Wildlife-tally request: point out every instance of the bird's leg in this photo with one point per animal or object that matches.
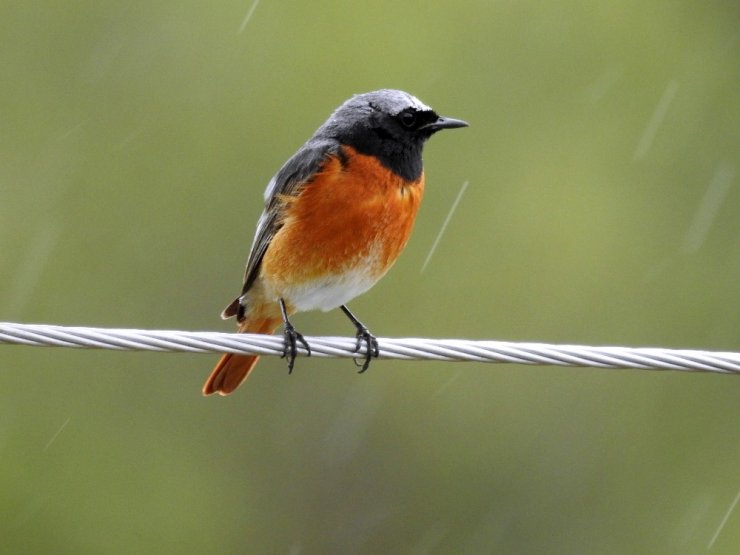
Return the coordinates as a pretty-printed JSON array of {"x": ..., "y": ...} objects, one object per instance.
[
  {"x": 363, "y": 335},
  {"x": 291, "y": 337}
]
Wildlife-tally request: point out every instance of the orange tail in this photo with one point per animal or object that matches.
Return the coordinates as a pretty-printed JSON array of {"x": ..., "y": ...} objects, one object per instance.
[{"x": 233, "y": 369}]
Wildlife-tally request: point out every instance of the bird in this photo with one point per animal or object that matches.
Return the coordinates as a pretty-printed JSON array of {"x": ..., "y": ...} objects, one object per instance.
[{"x": 336, "y": 217}]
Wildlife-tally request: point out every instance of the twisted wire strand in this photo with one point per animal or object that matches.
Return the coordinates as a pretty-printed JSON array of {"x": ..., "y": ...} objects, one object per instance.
[{"x": 390, "y": 348}]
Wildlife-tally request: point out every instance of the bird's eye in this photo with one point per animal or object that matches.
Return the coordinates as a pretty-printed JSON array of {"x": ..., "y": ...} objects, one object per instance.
[{"x": 408, "y": 119}]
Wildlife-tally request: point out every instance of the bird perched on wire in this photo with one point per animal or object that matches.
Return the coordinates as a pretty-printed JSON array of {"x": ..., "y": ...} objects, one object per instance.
[{"x": 336, "y": 217}]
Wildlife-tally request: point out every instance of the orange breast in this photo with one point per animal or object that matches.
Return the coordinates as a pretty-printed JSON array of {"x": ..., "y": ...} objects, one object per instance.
[{"x": 354, "y": 218}]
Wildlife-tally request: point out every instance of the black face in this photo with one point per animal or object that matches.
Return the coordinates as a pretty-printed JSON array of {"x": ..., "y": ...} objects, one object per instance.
[
  {"x": 396, "y": 140},
  {"x": 417, "y": 122}
]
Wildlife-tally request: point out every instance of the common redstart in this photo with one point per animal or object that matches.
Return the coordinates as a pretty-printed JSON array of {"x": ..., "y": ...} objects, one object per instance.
[{"x": 336, "y": 217}]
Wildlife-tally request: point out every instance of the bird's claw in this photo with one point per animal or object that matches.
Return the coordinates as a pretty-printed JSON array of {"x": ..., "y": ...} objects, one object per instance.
[
  {"x": 290, "y": 346},
  {"x": 371, "y": 348}
]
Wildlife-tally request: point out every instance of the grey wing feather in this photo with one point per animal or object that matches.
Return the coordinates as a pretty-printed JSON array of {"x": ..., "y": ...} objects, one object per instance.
[{"x": 296, "y": 173}]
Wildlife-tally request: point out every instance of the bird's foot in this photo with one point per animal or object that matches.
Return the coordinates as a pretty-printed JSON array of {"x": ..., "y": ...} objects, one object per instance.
[
  {"x": 371, "y": 348},
  {"x": 290, "y": 346}
]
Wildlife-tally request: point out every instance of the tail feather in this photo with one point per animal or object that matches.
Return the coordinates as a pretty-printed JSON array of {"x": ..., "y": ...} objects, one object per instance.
[
  {"x": 232, "y": 309},
  {"x": 233, "y": 369}
]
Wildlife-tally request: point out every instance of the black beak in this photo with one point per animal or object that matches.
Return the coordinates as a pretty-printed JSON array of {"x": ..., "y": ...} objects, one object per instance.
[{"x": 444, "y": 123}]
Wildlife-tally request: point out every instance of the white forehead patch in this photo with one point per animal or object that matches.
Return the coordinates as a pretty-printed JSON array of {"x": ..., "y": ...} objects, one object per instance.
[
  {"x": 418, "y": 104},
  {"x": 402, "y": 100},
  {"x": 390, "y": 101}
]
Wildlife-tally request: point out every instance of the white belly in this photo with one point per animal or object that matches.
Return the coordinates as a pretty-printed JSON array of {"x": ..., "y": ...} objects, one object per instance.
[{"x": 329, "y": 292}]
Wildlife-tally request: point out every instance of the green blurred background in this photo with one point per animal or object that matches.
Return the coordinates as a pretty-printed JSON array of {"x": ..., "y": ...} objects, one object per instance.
[{"x": 602, "y": 158}]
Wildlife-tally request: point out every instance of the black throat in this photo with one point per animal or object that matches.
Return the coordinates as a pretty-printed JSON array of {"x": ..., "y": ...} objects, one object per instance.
[{"x": 401, "y": 156}]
